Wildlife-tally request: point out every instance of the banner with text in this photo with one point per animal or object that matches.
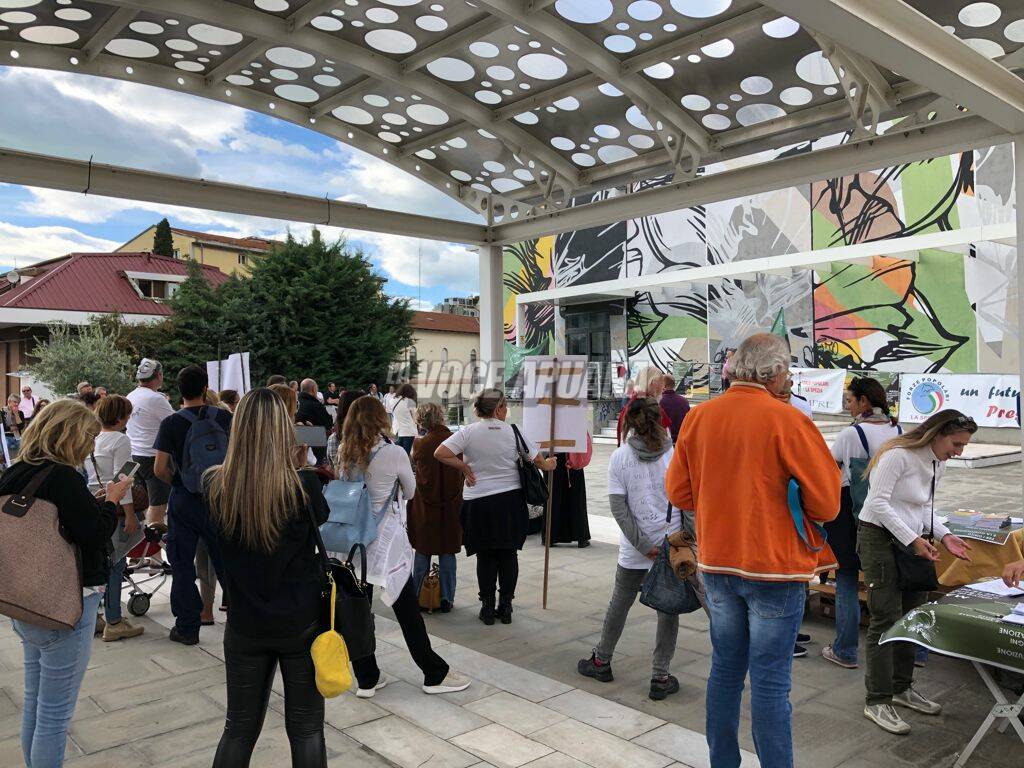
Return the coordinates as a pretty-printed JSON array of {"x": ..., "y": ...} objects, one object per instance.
[
  {"x": 991, "y": 400},
  {"x": 821, "y": 387}
]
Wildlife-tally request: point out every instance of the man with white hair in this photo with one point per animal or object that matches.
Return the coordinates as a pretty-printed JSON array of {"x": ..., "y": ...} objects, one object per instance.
[
  {"x": 733, "y": 464},
  {"x": 312, "y": 411}
]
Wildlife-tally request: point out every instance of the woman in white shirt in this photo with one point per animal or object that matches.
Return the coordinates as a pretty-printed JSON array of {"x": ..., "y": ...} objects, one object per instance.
[
  {"x": 636, "y": 494},
  {"x": 872, "y": 426},
  {"x": 364, "y": 445},
  {"x": 899, "y": 510},
  {"x": 493, "y": 515},
  {"x": 403, "y": 417},
  {"x": 111, "y": 450}
]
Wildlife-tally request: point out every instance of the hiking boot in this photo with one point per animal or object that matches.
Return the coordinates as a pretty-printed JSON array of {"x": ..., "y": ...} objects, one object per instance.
[
  {"x": 829, "y": 654},
  {"x": 504, "y": 611},
  {"x": 663, "y": 686},
  {"x": 599, "y": 670},
  {"x": 887, "y": 718},
  {"x": 911, "y": 699},
  {"x": 121, "y": 631},
  {"x": 487, "y": 614}
]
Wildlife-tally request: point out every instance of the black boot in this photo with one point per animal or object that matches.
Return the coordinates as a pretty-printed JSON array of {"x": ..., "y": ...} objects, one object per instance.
[
  {"x": 505, "y": 609},
  {"x": 487, "y": 613}
]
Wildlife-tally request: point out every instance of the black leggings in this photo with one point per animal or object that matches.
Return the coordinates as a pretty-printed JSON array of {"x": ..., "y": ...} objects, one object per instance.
[
  {"x": 494, "y": 567},
  {"x": 407, "y": 613},
  {"x": 250, "y": 673}
]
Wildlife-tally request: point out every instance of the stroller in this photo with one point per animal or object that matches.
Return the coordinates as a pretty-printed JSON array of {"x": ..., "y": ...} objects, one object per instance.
[{"x": 144, "y": 574}]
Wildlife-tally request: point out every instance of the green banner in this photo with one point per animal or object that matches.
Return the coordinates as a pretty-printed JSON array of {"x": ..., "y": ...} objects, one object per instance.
[
  {"x": 966, "y": 624},
  {"x": 991, "y": 535}
]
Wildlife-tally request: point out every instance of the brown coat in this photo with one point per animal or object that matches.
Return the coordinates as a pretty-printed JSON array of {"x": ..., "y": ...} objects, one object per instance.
[{"x": 433, "y": 512}]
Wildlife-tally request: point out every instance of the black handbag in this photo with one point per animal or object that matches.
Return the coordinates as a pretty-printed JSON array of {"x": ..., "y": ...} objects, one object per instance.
[
  {"x": 531, "y": 479},
  {"x": 913, "y": 572},
  {"x": 663, "y": 590},
  {"x": 353, "y": 617}
]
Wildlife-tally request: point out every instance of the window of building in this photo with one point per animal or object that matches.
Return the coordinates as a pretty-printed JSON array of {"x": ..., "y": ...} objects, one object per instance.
[
  {"x": 444, "y": 355},
  {"x": 177, "y": 253},
  {"x": 155, "y": 286},
  {"x": 412, "y": 363},
  {"x": 243, "y": 258}
]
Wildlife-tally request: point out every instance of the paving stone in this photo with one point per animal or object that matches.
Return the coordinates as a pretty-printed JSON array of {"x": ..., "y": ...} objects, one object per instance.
[
  {"x": 198, "y": 739},
  {"x": 501, "y": 747},
  {"x": 108, "y": 758},
  {"x": 432, "y": 714},
  {"x": 685, "y": 746},
  {"x": 346, "y": 710},
  {"x": 145, "y": 691},
  {"x": 516, "y": 713},
  {"x": 407, "y": 746},
  {"x": 138, "y": 723},
  {"x": 10, "y": 751},
  {"x": 601, "y": 713},
  {"x": 557, "y": 760},
  {"x": 503, "y": 675},
  {"x": 597, "y": 748}
]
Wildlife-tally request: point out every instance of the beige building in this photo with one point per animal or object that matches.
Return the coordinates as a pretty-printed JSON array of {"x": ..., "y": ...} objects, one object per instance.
[
  {"x": 228, "y": 254},
  {"x": 445, "y": 354}
]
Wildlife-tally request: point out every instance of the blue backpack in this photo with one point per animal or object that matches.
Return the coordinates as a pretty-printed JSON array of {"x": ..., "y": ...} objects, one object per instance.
[
  {"x": 351, "y": 521},
  {"x": 206, "y": 445}
]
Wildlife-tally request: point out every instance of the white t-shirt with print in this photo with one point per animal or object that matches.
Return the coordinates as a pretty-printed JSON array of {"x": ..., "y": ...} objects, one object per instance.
[
  {"x": 489, "y": 447},
  {"x": 643, "y": 485},
  {"x": 149, "y": 408},
  {"x": 848, "y": 446}
]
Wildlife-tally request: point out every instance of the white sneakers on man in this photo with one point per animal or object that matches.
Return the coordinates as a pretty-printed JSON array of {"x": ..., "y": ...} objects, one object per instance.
[
  {"x": 886, "y": 718},
  {"x": 911, "y": 699},
  {"x": 367, "y": 693},
  {"x": 452, "y": 683}
]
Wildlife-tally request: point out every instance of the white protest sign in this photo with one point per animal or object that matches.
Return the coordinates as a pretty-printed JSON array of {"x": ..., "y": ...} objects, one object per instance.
[
  {"x": 821, "y": 387},
  {"x": 571, "y": 398},
  {"x": 232, "y": 373},
  {"x": 992, "y": 400}
]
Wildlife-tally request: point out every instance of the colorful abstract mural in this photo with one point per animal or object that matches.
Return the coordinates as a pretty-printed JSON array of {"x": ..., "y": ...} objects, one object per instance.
[{"x": 948, "y": 310}]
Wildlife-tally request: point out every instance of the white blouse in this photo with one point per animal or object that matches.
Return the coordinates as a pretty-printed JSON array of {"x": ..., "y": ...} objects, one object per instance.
[
  {"x": 403, "y": 417},
  {"x": 900, "y": 495}
]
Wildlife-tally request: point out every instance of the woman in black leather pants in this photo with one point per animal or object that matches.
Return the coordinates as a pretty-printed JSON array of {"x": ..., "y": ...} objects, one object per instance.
[{"x": 273, "y": 579}]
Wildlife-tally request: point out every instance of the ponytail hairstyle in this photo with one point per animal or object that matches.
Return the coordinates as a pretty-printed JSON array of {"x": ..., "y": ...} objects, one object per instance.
[
  {"x": 873, "y": 392},
  {"x": 943, "y": 423},
  {"x": 643, "y": 419}
]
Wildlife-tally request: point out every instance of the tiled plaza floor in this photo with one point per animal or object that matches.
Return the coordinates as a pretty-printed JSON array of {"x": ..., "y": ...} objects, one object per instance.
[{"x": 148, "y": 702}]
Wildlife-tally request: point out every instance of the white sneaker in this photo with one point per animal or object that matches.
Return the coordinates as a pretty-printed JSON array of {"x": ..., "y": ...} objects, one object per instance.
[
  {"x": 452, "y": 683},
  {"x": 367, "y": 693},
  {"x": 911, "y": 699},
  {"x": 886, "y": 718}
]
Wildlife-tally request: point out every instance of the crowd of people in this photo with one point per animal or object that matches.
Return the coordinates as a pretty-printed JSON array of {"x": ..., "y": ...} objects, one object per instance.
[{"x": 240, "y": 499}]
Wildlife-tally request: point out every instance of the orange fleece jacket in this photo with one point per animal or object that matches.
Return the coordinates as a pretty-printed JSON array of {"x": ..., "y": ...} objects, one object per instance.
[{"x": 732, "y": 464}]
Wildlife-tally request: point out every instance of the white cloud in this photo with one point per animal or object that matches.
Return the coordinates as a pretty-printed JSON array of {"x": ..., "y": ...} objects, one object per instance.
[
  {"x": 26, "y": 245},
  {"x": 420, "y": 305},
  {"x": 409, "y": 260}
]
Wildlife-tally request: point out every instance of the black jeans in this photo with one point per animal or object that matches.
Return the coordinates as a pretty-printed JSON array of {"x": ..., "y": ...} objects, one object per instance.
[
  {"x": 407, "y": 613},
  {"x": 188, "y": 522},
  {"x": 250, "y": 673},
  {"x": 494, "y": 567}
]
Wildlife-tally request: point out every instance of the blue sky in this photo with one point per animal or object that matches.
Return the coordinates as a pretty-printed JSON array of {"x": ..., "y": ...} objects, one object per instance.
[{"x": 142, "y": 127}]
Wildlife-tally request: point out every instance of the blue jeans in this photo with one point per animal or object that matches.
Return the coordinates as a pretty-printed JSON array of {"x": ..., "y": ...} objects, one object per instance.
[
  {"x": 847, "y": 615},
  {"x": 189, "y": 521},
  {"x": 446, "y": 566},
  {"x": 55, "y": 662},
  {"x": 754, "y": 625}
]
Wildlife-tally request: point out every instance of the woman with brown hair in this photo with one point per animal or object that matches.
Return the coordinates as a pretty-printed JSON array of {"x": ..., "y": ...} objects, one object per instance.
[
  {"x": 385, "y": 466},
  {"x": 900, "y": 511},
  {"x": 403, "y": 416},
  {"x": 434, "y": 527},
  {"x": 264, "y": 510}
]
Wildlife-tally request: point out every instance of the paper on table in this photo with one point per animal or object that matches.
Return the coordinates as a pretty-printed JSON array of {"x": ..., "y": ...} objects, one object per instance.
[{"x": 997, "y": 587}]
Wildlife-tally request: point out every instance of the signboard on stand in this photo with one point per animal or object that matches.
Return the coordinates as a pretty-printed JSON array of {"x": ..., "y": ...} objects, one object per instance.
[{"x": 569, "y": 403}]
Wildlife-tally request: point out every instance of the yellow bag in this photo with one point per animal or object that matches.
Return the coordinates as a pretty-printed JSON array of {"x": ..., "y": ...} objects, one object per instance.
[{"x": 330, "y": 657}]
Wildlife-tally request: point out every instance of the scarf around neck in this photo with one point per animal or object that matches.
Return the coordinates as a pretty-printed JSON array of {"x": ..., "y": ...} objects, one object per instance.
[{"x": 874, "y": 416}]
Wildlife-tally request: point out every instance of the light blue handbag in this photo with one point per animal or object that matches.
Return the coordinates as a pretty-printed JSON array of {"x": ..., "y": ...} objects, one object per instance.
[{"x": 351, "y": 520}]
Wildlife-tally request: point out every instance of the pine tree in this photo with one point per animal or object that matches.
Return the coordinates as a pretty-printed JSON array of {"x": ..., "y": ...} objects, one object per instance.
[{"x": 163, "y": 242}]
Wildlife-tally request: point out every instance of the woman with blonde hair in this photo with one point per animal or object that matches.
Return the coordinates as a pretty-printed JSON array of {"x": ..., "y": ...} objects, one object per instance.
[
  {"x": 264, "y": 511},
  {"x": 900, "y": 511},
  {"x": 493, "y": 514},
  {"x": 54, "y": 445},
  {"x": 385, "y": 466},
  {"x": 434, "y": 527}
]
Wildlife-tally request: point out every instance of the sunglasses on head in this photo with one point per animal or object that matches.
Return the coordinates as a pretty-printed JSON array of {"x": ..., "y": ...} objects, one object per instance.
[{"x": 965, "y": 421}]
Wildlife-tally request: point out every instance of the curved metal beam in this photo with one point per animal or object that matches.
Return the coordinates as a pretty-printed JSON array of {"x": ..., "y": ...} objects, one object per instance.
[
  {"x": 33, "y": 55},
  {"x": 276, "y": 31}
]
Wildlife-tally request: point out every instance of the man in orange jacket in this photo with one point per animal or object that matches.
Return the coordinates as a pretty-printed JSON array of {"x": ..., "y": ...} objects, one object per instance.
[{"x": 732, "y": 465}]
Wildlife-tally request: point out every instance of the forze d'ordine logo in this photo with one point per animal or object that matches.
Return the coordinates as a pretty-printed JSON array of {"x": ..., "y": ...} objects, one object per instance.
[{"x": 928, "y": 396}]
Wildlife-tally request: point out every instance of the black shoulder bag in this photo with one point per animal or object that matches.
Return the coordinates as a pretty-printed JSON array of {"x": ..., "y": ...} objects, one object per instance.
[
  {"x": 531, "y": 479},
  {"x": 913, "y": 572},
  {"x": 353, "y": 617}
]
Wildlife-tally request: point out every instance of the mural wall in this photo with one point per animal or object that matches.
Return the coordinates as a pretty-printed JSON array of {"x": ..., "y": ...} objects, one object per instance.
[{"x": 949, "y": 311}]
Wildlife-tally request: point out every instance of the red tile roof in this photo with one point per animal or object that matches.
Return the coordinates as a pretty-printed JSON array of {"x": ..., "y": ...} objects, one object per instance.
[
  {"x": 243, "y": 243},
  {"x": 95, "y": 282},
  {"x": 442, "y": 321}
]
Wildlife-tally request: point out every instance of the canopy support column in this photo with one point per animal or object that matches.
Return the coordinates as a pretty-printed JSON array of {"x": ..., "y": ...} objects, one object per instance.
[
  {"x": 492, "y": 315},
  {"x": 1018, "y": 185}
]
